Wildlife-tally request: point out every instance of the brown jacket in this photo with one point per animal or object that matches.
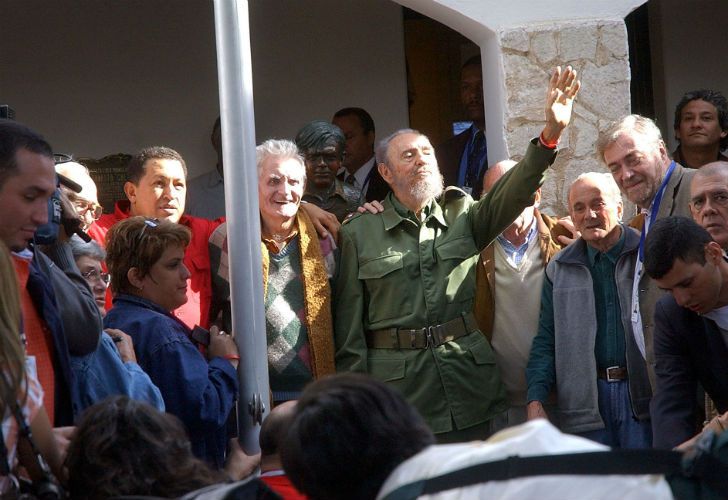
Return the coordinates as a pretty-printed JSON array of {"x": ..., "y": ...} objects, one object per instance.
[{"x": 484, "y": 307}]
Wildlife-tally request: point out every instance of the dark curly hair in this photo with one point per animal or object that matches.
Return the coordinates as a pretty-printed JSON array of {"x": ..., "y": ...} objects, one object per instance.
[
  {"x": 126, "y": 447},
  {"x": 712, "y": 97}
]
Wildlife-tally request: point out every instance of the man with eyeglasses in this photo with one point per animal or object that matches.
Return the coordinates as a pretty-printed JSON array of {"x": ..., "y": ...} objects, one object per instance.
[
  {"x": 709, "y": 200},
  {"x": 86, "y": 201},
  {"x": 322, "y": 145},
  {"x": 634, "y": 152}
]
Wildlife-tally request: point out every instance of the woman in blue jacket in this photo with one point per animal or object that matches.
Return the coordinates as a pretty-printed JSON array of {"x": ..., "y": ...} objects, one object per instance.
[{"x": 149, "y": 280}]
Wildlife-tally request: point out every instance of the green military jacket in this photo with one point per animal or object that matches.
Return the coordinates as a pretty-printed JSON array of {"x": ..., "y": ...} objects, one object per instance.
[{"x": 396, "y": 271}]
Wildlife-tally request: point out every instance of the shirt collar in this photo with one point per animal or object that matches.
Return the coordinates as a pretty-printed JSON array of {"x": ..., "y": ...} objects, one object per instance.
[
  {"x": 529, "y": 237},
  {"x": 612, "y": 254},
  {"x": 396, "y": 213}
]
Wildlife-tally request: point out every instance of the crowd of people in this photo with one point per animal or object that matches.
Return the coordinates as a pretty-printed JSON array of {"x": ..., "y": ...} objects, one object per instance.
[{"x": 468, "y": 309}]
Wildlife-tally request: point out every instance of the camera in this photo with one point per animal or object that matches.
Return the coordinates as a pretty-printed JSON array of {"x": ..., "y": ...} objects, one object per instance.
[{"x": 48, "y": 232}]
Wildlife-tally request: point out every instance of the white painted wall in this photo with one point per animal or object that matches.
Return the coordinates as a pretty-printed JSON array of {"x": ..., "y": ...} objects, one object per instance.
[
  {"x": 312, "y": 58},
  {"x": 104, "y": 76}
]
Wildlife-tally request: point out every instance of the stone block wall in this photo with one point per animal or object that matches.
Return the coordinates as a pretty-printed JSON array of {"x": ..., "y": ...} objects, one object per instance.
[{"x": 598, "y": 51}]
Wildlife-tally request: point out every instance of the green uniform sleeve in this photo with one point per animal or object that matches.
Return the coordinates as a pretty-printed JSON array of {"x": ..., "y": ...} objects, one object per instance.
[
  {"x": 348, "y": 302},
  {"x": 515, "y": 191},
  {"x": 541, "y": 371}
]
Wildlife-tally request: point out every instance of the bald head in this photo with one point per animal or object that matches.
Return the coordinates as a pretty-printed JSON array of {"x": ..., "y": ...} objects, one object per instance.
[
  {"x": 713, "y": 168},
  {"x": 80, "y": 175},
  {"x": 515, "y": 232},
  {"x": 274, "y": 428},
  {"x": 86, "y": 202},
  {"x": 495, "y": 172}
]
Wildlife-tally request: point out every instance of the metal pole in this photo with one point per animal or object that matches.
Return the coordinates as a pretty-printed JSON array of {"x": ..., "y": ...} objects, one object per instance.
[{"x": 235, "y": 76}]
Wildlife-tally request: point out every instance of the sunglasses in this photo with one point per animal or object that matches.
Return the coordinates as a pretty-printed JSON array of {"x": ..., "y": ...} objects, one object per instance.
[{"x": 152, "y": 223}]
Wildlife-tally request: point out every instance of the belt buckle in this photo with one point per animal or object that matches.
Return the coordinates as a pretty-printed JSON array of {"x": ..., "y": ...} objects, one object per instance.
[
  {"x": 434, "y": 335},
  {"x": 609, "y": 374},
  {"x": 429, "y": 339}
]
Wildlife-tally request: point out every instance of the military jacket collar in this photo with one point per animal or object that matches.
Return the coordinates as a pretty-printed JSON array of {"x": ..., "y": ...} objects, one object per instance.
[{"x": 395, "y": 213}]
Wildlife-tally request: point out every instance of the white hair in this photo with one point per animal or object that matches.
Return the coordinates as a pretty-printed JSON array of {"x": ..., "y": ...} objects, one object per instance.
[
  {"x": 604, "y": 181},
  {"x": 80, "y": 248},
  {"x": 278, "y": 148},
  {"x": 630, "y": 124},
  {"x": 382, "y": 149}
]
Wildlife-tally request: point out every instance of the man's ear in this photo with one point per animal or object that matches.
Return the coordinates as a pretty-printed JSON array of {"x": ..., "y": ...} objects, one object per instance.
[
  {"x": 537, "y": 198},
  {"x": 713, "y": 253},
  {"x": 663, "y": 151},
  {"x": 385, "y": 173},
  {"x": 130, "y": 191},
  {"x": 135, "y": 278}
]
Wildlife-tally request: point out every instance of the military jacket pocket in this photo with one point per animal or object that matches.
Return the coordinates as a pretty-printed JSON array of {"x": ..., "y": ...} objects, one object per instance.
[
  {"x": 482, "y": 353},
  {"x": 380, "y": 267},
  {"x": 458, "y": 256},
  {"x": 387, "y": 370},
  {"x": 384, "y": 278}
]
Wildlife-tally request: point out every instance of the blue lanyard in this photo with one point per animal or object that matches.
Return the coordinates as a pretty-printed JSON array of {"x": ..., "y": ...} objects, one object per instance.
[{"x": 655, "y": 208}]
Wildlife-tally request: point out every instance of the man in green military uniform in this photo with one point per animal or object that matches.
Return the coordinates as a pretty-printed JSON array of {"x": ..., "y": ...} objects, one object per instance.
[{"x": 405, "y": 285}]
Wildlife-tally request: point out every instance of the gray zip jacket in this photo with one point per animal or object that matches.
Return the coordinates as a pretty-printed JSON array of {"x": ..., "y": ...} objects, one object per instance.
[{"x": 575, "y": 332}]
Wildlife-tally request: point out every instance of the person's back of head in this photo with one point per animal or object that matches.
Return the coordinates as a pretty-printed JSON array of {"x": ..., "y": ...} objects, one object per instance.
[
  {"x": 348, "y": 433},
  {"x": 674, "y": 238},
  {"x": 272, "y": 433},
  {"x": 126, "y": 447}
]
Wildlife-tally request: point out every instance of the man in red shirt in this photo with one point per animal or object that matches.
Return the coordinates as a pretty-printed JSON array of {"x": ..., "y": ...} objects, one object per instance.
[{"x": 156, "y": 187}]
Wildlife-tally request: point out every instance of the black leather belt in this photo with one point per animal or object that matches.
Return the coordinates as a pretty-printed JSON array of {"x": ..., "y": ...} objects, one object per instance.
[
  {"x": 613, "y": 373},
  {"x": 421, "y": 338}
]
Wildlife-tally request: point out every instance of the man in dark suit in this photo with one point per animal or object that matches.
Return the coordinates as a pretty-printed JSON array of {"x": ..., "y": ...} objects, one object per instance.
[
  {"x": 463, "y": 159},
  {"x": 691, "y": 326},
  {"x": 360, "y": 168}
]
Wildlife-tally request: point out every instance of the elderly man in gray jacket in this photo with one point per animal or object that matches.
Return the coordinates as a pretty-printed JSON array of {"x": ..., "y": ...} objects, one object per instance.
[{"x": 585, "y": 347}]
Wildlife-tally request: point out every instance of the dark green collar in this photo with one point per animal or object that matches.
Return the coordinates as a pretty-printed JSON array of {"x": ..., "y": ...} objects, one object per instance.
[{"x": 612, "y": 254}]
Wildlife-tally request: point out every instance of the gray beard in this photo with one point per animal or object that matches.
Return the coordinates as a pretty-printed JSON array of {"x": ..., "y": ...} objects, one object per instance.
[{"x": 427, "y": 189}]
